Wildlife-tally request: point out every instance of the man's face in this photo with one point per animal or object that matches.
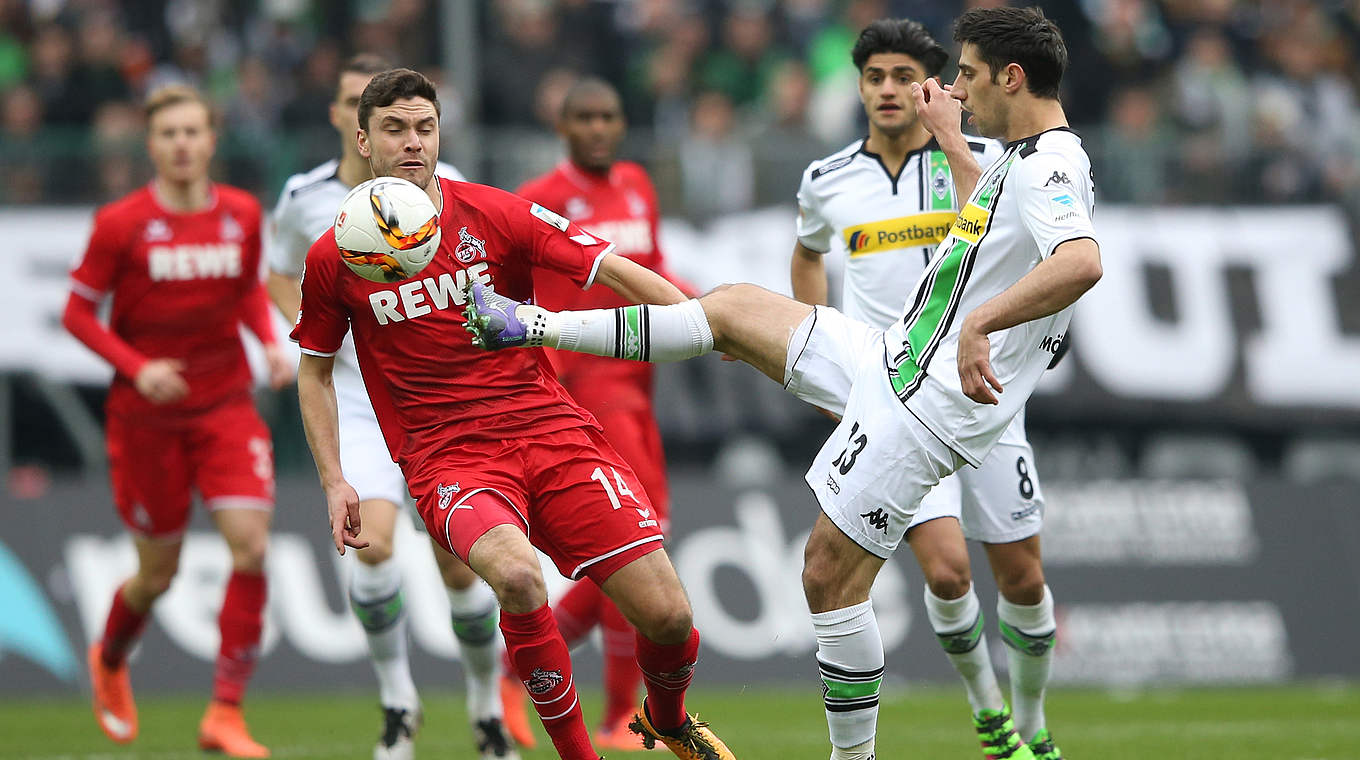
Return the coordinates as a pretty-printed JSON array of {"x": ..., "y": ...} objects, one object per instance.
[
  {"x": 181, "y": 141},
  {"x": 980, "y": 96},
  {"x": 885, "y": 90},
  {"x": 345, "y": 107},
  {"x": 402, "y": 140},
  {"x": 593, "y": 128}
]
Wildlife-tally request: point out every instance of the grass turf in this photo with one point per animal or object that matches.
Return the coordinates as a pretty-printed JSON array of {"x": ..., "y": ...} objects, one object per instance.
[{"x": 1281, "y": 723}]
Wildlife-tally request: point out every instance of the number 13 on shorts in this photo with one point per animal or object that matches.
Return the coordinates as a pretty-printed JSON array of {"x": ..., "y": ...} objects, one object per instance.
[{"x": 619, "y": 488}]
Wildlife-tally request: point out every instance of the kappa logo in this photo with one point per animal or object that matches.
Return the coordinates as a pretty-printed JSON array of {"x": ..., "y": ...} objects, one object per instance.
[
  {"x": 1058, "y": 178},
  {"x": 230, "y": 229},
  {"x": 877, "y": 519},
  {"x": 470, "y": 248},
  {"x": 157, "y": 230},
  {"x": 446, "y": 494},
  {"x": 833, "y": 485},
  {"x": 578, "y": 208},
  {"x": 543, "y": 681}
]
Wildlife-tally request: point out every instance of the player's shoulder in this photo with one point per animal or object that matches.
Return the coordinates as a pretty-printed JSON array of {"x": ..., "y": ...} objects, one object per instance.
[
  {"x": 237, "y": 199},
  {"x": 1051, "y": 154},
  {"x": 984, "y": 147},
  {"x": 632, "y": 171},
  {"x": 837, "y": 161},
  {"x": 542, "y": 187},
  {"x": 129, "y": 209},
  {"x": 475, "y": 194},
  {"x": 324, "y": 253},
  {"x": 311, "y": 180}
]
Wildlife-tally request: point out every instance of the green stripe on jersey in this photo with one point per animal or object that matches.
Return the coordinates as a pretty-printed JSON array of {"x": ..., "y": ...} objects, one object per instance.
[{"x": 941, "y": 182}]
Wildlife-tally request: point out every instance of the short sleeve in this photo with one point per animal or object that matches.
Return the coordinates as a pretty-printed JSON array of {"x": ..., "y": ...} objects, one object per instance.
[
  {"x": 285, "y": 247},
  {"x": 1055, "y": 200},
  {"x": 322, "y": 320},
  {"x": 814, "y": 231},
  {"x": 95, "y": 273},
  {"x": 560, "y": 245}
]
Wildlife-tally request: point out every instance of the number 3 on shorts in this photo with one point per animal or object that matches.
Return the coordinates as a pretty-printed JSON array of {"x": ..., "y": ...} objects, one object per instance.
[{"x": 609, "y": 491}]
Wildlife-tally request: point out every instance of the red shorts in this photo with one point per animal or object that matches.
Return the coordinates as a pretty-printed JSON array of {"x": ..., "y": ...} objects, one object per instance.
[
  {"x": 634, "y": 435},
  {"x": 156, "y": 464},
  {"x": 569, "y": 491}
]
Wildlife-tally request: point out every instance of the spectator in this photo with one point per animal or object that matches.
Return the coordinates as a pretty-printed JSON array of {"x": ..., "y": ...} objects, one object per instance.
[
  {"x": 21, "y": 157},
  {"x": 717, "y": 168},
  {"x": 1135, "y": 149},
  {"x": 784, "y": 142},
  {"x": 743, "y": 68}
]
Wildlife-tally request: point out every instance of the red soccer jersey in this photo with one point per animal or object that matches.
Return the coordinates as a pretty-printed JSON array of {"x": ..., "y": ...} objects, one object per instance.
[
  {"x": 431, "y": 388},
  {"x": 181, "y": 283},
  {"x": 620, "y": 207}
]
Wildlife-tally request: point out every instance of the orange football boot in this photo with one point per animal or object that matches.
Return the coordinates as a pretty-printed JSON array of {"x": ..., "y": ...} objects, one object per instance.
[
  {"x": 114, "y": 709},
  {"x": 515, "y": 718},
  {"x": 223, "y": 729}
]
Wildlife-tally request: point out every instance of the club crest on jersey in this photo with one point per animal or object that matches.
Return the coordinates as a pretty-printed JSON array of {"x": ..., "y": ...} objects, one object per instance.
[
  {"x": 543, "y": 681},
  {"x": 229, "y": 229},
  {"x": 469, "y": 248},
  {"x": 157, "y": 230},
  {"x": 446, "y": 494},
  {"x": 939, "y": 184},
  {"x": 636, "y": 206}
]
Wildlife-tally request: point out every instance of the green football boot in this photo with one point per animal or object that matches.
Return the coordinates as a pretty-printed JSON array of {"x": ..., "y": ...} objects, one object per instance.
[
  {"x": 1043, "y": 747},
  {"x": 1000, "y": 740}
]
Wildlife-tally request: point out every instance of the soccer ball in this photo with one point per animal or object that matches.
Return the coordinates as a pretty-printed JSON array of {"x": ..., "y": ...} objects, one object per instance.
[{"x": 387, "y": 230}]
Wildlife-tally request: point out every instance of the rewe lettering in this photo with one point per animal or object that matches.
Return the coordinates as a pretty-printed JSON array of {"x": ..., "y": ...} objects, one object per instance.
[{"x": 416, "y": 298}]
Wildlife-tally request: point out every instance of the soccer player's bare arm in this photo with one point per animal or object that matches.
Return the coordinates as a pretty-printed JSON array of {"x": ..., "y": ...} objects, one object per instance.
[
  {"x": 285, "y": 293},
  {"x": 1056, "y": 283},
  {"x": 320, "y": 421},
  {"x": 636, "y": 283},
  {"x": 807, "y": 272}
]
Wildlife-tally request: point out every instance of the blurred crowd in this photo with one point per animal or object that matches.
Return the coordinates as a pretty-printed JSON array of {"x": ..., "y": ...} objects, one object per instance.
[{"x": 1180, "y": 101}]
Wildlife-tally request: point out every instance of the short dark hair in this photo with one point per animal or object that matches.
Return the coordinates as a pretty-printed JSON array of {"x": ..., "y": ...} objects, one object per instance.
[
  {"x": 900, "y": 35},
  {"x": 584, "y": 87},
  {"x": 387, "y": 87},
  {"x": 363, "y": 63},
  {"x": 1022, "y": 36}
]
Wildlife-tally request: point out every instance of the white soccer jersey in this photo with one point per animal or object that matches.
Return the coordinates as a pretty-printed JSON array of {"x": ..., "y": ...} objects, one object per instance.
[
  {"x": 1036, "y": 196},
  {"x": 888, "y": 226}
]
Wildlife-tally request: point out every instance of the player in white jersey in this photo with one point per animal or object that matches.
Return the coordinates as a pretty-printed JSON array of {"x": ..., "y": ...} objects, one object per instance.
[
  {"x": 306, "y": 208},
  {"x": 923, "y": 399},
  {"x": 889, "y": 223}
]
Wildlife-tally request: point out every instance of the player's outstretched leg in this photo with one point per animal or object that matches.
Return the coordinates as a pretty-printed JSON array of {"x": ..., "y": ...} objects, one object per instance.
[
  {"x": 223, "y": 728},
  {"x": 648, "y": 593},
  {"x": 475, "y": 616}
]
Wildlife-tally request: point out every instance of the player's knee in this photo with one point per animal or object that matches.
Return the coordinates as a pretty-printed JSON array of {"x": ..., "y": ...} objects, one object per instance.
[
  {"x": 819, "y": 574},
  {"x": 247, "y": 554},
  {"x": 156, "y": 581},
  {"x": 1023, "y": 585},
  {"x": 378, "y": 551},
  {"x": 947, "y": 579},
  {"x": 519, "y": 586},
  {"x": 668, "y": 622}
]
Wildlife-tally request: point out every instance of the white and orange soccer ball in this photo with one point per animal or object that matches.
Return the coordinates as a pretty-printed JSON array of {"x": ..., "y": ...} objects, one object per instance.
[{"x": 387, "y": 230}]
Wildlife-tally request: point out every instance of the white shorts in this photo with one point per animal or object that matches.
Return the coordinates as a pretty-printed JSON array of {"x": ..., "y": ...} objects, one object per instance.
[
  {"x": 364, "y": 458},
  {"x": 997, "y": 503}
]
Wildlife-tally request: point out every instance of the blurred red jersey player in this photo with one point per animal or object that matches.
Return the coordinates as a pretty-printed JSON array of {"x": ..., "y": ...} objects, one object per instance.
[
  {"x": 494, "y": 451},
  {"x": 180, "y": 259},
  {"x": 614, "y": 200}
]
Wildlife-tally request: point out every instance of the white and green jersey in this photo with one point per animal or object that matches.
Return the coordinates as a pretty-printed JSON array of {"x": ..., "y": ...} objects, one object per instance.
[
  {"x": 1036, "y": 196},
  {"x": 888, "y": 226}
]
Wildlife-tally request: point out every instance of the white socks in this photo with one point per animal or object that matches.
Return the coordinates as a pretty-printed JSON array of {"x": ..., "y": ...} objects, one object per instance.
[
  {"x": 958, "y": 625},
  {"x": 640, "y": 333},
  {"x": 1028, "y": 631},
  {"x": 850, "y": 657},
  {"x": 476, "y": 618},
  {"x": 375, "y": 595}
]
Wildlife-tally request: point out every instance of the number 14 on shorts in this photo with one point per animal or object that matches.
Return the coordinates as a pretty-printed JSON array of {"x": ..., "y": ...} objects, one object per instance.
[{"x": 622, "y": 489}]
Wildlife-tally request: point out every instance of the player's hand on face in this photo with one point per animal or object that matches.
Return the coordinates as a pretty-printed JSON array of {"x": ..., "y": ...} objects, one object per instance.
[
  {"x": 939, "y": 113},
  {"x": 342, "y": 504},
  {"x": 160, "y": 381},
  {"x": 281, "y": 370},
  {"x": 975, "y": 365}
]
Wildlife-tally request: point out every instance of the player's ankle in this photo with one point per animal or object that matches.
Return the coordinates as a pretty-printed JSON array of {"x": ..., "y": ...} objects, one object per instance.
[{"x": 863, "y": 751}]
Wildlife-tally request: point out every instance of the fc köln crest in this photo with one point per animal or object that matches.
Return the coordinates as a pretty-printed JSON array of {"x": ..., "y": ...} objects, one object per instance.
[{"x": 469, "y": 248}]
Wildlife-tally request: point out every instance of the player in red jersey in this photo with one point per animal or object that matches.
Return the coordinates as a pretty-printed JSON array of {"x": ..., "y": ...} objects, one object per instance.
[
  {"x": 493, "y": 449},
  {"x": 181, "y": 259},
  {"x": 614, "y": 200}
]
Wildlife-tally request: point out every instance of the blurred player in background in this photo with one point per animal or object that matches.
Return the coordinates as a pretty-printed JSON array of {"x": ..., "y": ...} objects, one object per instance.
[
  {"x": 181, "y": 260},
  {"x": 493, "y": 449},
  {"x": 306, "y": 209},
  {"x": 616, "y": 201},
  {"x": 889, "y": 200},
  {"x": 922, "y": 399}
]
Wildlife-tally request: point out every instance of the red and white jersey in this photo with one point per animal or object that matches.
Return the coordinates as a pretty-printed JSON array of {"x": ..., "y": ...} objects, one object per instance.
[
  {"x": 620, "y": 207},
  {"x": 431, "y": 388},
  {"x": 179, "y": 283}
]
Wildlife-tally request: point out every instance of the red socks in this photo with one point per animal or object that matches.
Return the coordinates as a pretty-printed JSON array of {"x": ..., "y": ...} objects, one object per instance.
[
  {"x": 579, "y": 610},
  {"x": 667, "y": 671},
  {"x": 121, "y": 630},
  {"x": 240, "y": 622},
  {"x": 621, "y": 674},
  {"x": 543, "y": 664}
]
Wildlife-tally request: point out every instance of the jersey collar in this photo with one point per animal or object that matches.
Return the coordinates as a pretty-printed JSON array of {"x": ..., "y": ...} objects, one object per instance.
[
  {"x": 931, "y": 144},
  {"x": 1034, "y": 137}
]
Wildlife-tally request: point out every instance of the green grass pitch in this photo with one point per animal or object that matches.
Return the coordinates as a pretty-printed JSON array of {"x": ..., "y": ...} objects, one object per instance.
[{"x": 1281, "y": 723}]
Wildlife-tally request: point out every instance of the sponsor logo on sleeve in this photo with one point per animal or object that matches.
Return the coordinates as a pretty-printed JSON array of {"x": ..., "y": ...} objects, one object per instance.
[
  {"x": 1062, "y": 206},
  {"x": 552, "y": 218}
]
